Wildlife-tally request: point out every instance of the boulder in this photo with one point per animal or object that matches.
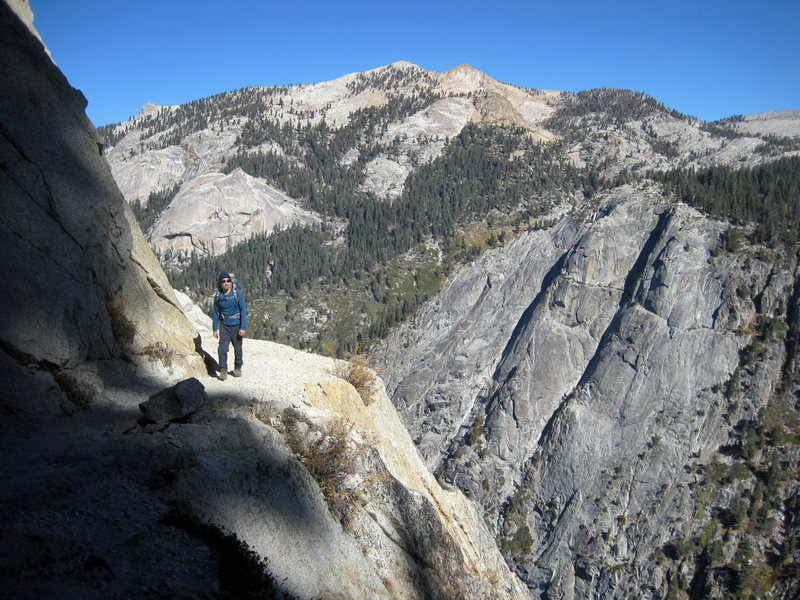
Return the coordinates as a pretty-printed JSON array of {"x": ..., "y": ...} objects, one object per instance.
[{"x": 175, "y": 403}]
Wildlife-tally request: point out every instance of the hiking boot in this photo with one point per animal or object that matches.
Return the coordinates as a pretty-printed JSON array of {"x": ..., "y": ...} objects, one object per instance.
[
  {"x": 237, "y": 372},
  {"x": 223, "y": 375}
]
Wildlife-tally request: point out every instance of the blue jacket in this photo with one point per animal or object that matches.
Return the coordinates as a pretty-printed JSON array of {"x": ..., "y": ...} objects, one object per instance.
[{"x": 233, "y": 312}]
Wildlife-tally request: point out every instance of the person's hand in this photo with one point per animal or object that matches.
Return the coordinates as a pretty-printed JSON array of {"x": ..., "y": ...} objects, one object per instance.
[
  {"x": 241, "y": 333},
  {"x": 216, "y": 334}
]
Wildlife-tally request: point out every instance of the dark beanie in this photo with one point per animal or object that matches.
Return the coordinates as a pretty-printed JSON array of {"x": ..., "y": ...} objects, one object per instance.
[{"x": 222, "y": 276}]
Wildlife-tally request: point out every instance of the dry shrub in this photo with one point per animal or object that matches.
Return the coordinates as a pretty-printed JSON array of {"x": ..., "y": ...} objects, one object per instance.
[
  {"x": 158, "y": 352},
  {"x": 295, "y": 429},
  {"x": 360, "y": 375},
  {"x": 341, "y": 465},
  {"x": 333, "y": 459}
]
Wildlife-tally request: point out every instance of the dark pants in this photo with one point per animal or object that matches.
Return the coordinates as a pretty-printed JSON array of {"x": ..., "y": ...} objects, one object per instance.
[{"x": 229, "y": 334}]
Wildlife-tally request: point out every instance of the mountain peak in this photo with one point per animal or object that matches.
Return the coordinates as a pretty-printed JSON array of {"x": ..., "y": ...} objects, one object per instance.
[
  {"x": 463, "y": 79},
  {"x": 150, "y": 108},
  {"x": 403, "y": 64},
  {"x": 464, "y": 68}
]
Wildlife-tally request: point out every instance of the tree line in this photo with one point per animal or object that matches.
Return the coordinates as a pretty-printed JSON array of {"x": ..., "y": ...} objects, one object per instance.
[
  {"x": 767, "y": 195},
  {"x": 485, "y": 168}
]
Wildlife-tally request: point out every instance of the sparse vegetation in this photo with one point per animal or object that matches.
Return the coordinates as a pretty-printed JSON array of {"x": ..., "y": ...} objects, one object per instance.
[
  {"x": 520, "y": 542},
  {"x": 159, "y": 352},
  {"x": 728, "y": 553},
  {"x": 476, "y": 431},
  {"x": 331, "y": 458},
  {"x": 357, "y": 371}
]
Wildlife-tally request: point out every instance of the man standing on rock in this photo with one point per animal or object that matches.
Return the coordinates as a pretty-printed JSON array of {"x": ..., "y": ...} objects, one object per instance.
[{"x": 229, "y": 322}]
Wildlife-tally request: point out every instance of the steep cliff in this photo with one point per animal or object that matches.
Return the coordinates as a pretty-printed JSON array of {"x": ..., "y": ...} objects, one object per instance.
[
  {"x": 589, "y": 384},
  {"x": 81, "y": 283}
]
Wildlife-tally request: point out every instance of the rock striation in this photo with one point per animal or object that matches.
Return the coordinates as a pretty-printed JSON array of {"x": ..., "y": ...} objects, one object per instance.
[{"x": 576, "y": 382}]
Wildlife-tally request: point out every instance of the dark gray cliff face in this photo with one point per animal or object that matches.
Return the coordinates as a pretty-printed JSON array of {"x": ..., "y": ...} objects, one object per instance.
[
  {"x": 52, "y": 221},
  {"x": 79, "y": 282},
  {"x": 576, "y": 381}
]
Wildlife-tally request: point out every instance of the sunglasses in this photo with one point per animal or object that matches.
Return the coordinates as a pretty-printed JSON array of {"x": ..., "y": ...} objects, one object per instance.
[{"x": 226, "y": 281}]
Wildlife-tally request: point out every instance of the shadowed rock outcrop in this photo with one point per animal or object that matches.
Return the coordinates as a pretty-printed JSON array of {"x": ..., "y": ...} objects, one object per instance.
[{"x": 81, "y": 284}]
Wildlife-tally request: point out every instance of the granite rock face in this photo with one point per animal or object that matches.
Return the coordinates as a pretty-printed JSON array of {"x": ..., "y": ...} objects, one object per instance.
[
  {"x": 214, "y": 212},
  {"x": 573, "y": 380},
  {"x": 81, "y": 282}
]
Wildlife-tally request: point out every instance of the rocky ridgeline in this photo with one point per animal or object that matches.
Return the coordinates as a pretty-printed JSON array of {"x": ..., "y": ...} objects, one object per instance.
[
  {"x": 607, "y": 130},
  {"x": 578, "y": 384},
  {"x": 286, "y": 483}
]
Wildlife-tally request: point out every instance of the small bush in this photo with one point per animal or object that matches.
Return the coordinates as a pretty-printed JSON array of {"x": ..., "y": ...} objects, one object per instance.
[
  {"x": 738, "y": 472},
  {"x": 677, "y": 549},
  {"x": 360, "y": 375},
  {"x": 737, "y": 514},
  {"x": 772, "y": 328},
  {"x": 520, "y": 543},
  {"x": 476, "y": 431},
  {"x": 158, "y": 352},
  {"x": 332, "y": 459},
  {"x": 734, "y": 239},
  {"x": 754, "y": 353},
  {"x": 733, "y": 384}
]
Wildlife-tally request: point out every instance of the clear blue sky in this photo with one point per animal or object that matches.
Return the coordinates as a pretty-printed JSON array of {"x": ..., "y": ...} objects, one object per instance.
[{"x": 708, "y": 59}]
